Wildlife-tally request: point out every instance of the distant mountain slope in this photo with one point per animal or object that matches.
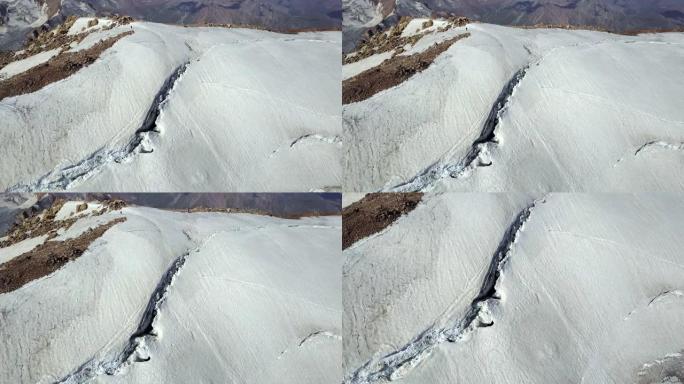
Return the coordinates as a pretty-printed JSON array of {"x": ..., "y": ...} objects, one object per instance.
[
  {"x": 617, "y": 15},
  {"x": 278, "y": 15},
  {"x": 614, "y": 15},
  {"x": 279, "y": 204},
  {"x": 19, "y": 17}
]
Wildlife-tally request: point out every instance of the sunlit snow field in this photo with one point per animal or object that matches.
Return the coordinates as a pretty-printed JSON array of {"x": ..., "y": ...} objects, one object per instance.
[
  {"x": 588, "y": 112},
  {"x": 242, "y": 110}
]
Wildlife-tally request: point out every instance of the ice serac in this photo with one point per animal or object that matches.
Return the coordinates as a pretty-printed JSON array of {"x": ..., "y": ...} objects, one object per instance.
[
  {"x": 542, "y": 297},
  {"x": 208, "y": 108},
  {"x": 170, "y": 297},
  {"x": 607, "y": 94}
]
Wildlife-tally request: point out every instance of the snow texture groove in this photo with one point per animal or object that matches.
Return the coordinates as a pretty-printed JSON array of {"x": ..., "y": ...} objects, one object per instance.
[
  {"x": 65, "y": 178},
  {"x": 308, "y": 138},
  {"x": 319, "y": 334},
  {"x": 659, "y": 145},
  {"x": 316, "y": 137},
  {"x": 451, "y": 328}
]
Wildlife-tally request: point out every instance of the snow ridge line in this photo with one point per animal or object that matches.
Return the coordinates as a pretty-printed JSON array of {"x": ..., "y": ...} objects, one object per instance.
[
  {"x": 478, "y": 150},
  {"x": 136, "y": 349},
  {"x": 319, "y": 334},
  {"x": 310, "y": 338},
  {"x": 666, "y": 294},
  {"x": 312, "y": 137},
  {"x": 660, "y": 144},
  {"x": 400, "y": 363},
  {"x": 317, "y": 137},
  {"x": 65, "y": 178}
]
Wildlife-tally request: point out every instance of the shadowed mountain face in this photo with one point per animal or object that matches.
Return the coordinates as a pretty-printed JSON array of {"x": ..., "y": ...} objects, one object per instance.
[
  {"x": 277, "y": 204},
  {"x": 616, "y": 15},
  {"x": 19, "y": 17},
  {"x": 10, "y": 205},
  {"x": 272, "y": 14},
  {"x": 280, "y": 204},
  {"x": 613, "y": 15}
]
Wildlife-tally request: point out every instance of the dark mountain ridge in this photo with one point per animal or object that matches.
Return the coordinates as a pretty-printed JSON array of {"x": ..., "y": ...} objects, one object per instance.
[
  {"x": 620, "y": 16},
  {"x": 18, "y": 19}
]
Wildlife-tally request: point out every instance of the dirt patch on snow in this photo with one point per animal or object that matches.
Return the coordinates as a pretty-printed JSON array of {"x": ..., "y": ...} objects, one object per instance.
[
  {"x": 34, "y": 222},
  {"x": 392, "y": 72},
  {"x": 375, "y": 212},
  {"x": 6, "y": 57},
  {"x": 379, "y": 41},
  {"x": 47, "y": 258},
  {"x": 390, "y": 39},
  {"x": 58, "y": 68},
  {"x": 44, "y": 39}
]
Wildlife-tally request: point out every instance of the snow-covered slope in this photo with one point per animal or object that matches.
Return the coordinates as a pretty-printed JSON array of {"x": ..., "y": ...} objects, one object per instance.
[
  {"x": 224, "y": 110},
  {"x": 570, "y": 110},
  {"x": 19, "y": 66},
  {"x": 169, "y": 297},
  {"x": 494, "y": 288}
]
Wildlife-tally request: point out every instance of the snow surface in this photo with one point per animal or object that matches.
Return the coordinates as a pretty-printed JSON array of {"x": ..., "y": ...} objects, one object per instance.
[
  {"x": 351, "y": 198},
  {"x": 9, "y": 253},
  {"x": 257, "y": 300},
  {"x": 353, "y": 69},
  {"x": 81, "y": 25},
  {"x": 69, "y": 209},
  {"x": 415, "y": 26},
  {"x": 585, "y": 105},
  {"x": 96, "y": 36},
  {"x": 230, "y": 121},
  {"x": 589, "y": 286},
  {"x": 403, "y": 269},
  {"x": 23, "y": 65}
]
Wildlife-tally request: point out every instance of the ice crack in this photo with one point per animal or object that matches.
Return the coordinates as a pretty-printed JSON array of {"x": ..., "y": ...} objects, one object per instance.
[
  {"x": 64, "y": 178},
  {"x": 317, "y": 335},
  {"x": 659, "y": 144},
  {"x": 316, "y": 137},
  {"x": 308, "y": 138},
  {"x": 477, "y": 156},
  {"x": 135, "y": 349},
  {"x": 399, "y": 363}
]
